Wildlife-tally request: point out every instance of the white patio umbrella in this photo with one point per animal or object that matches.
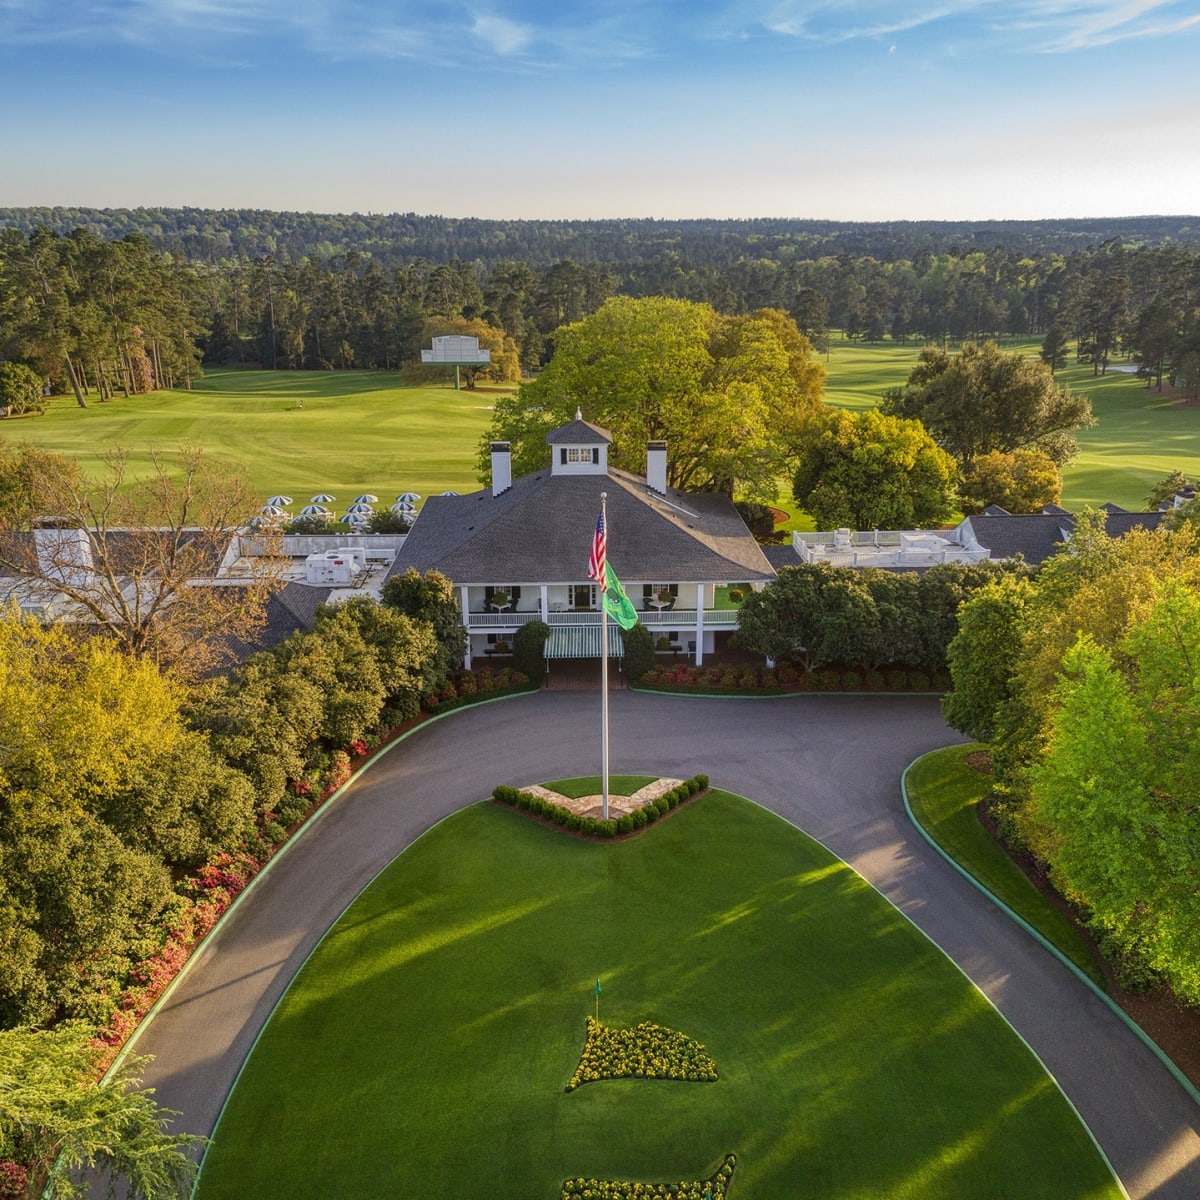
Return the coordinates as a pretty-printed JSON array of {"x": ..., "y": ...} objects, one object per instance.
[
  {"x": 358, "y": 507},
  {"x": 271, "y": 510},
  {"x": 315, "y": 510},
  {"x": 281, "y": 501},
  {"x": 403, "y": 506},
  {"x": 408, "y": 496},
  {"x": 323, "y": 498},
  {"x": 450, "y": 493},
  {"x": 365, "y": 498},
  {"x": 357, "y": 518}
]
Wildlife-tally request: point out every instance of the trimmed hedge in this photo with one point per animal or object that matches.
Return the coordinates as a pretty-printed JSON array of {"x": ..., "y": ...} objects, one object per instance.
[{"x": 591, "y": 826}]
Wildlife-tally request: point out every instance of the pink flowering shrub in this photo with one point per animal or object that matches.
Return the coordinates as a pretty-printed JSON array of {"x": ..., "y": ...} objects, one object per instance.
[{"x": 14, "y": 1179}]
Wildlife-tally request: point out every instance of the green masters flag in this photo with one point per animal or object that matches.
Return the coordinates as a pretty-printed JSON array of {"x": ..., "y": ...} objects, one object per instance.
[{"x": 617, "y": 604}]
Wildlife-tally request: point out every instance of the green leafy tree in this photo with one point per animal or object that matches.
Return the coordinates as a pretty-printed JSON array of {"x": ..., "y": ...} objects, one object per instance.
[
  {"x": 58, "y": 1123},
  {"x": 1112, "y": 803},
  {"x": 1165, "y": 490},
  {"x": 872, "y": 471},
  {"x": 1055, "y": 346},
  {"x": 529, "y": 648},
  {"x": 639, "y": 652},
  {"x": 813, "y": 614},
  {"x": 730, "y": 395},
  {"x": 406, "y": 649},
  {"x": 984, "y": 399},
  {"x": 20, "y": 388},
  {"x": 1021, "y": 481},
  {"x": 983, "y": 656},
  {"x": 30, "y": 479},
  {"x": 941, "y": 592},
  {"x": 432, "y": 597}
]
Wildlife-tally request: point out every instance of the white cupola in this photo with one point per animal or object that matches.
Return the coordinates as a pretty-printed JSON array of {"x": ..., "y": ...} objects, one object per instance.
[{"x": 579, "y": 448}]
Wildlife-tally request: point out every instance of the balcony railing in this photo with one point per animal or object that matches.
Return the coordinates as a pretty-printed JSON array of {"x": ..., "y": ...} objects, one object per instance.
[{"x": 684, "y": 618}]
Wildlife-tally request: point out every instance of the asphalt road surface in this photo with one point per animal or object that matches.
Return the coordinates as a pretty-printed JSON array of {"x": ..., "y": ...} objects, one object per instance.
[{"x": 829, "y": 764}]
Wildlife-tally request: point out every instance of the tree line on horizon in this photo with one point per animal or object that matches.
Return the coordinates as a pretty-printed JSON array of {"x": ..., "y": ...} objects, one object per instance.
[
  {"x": 211, "y": 235},
  {"x": 99, "y": 317}
]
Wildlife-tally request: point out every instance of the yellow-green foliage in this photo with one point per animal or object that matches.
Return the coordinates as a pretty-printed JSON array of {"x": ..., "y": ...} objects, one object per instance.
[
  {"x": 1087, "y": 684},
  {"x": 646, "y": 1051},
  {"x": 715, "y": 1187}
]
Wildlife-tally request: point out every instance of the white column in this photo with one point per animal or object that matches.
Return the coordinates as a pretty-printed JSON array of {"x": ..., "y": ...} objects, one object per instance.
[
  {"x": 464, "y": 603},
  {"x": 545, "y": 602},
  {"x": 700, "y": 622}
]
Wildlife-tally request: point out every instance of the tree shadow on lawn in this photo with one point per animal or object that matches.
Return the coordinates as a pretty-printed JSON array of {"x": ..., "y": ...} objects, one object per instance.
[{"x": 431, "y": 1041}]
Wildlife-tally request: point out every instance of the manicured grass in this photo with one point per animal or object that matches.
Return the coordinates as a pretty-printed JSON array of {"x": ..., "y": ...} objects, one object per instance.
[
  {"x": 943, "y": 793},
  {"x": 425, "y": 1047},
  {"x": 1140, "y": 437},
  {"x": 589, "y": 785},
  {"x": 358, "y": 431},
  {"x": 362, "y": 431}
]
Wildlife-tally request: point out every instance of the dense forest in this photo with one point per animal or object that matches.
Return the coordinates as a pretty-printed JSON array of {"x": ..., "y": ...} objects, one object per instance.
[
  {"x": 96, "y": 315},
  {"x": 209, "y": 235}
]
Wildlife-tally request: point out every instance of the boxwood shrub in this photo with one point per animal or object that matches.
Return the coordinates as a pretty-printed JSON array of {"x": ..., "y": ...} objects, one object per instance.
[{"x": 591, "y": 826}]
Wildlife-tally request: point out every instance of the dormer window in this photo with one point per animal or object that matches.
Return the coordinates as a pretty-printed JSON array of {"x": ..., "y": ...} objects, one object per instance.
[{"x": 581, "y": 454}]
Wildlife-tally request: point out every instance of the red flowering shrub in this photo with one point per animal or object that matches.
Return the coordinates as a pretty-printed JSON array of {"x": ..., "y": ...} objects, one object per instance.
[{"x": 14, "y": 1179}]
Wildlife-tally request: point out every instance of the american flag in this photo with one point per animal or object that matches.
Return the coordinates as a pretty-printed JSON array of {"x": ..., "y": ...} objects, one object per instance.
[{"x": 596, "y": 560}]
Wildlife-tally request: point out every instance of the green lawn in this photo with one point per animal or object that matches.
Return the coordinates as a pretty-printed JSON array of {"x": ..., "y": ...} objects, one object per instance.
[
  {"x": 358, "y": 430},
  {"x": 362, "y": 431},
  {"x": 424, "y": 1048},
  {"x": 1140, "y": 437},
  {"x": 943, "y": 793}
]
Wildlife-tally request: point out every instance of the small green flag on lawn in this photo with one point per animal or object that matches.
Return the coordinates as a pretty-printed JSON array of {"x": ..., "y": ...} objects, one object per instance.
[
  {"x": 597, "y": 987},
  {"x": 617, "y": 604}
]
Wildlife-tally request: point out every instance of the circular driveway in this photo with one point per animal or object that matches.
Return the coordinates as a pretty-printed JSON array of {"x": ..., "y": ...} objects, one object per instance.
[{"x": 829, "y": 764}]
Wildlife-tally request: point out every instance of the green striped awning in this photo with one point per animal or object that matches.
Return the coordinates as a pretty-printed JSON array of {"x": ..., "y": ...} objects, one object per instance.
[{"x": 583, "y": 641}]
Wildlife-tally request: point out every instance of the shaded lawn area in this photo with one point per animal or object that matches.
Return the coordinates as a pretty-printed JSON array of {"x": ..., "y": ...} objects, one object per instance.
[
  {"x": 357, "y": 431},
  {"x": 943, "y": 793},
  {"x": 424, "y": 1049}
]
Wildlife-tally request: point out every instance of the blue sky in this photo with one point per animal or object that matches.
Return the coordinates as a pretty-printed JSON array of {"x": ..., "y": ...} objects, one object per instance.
[{"x": 663, "y": 108}]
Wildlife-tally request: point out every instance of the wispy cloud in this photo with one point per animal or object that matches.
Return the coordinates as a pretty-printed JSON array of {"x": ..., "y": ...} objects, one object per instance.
[
  {"x": 532, "y": 32},
  {"x": 548, "y": 35},
  {"x": 1022, "y": 25}
]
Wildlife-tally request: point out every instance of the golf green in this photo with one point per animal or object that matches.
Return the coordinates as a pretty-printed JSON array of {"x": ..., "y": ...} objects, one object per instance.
[{"x": 425, "y": 1047}]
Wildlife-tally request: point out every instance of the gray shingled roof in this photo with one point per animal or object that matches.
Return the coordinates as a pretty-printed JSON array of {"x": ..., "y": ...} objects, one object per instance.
[
  {"x": 782, "y": 555},
  {"x": 540, "y": 531},
  {"x": 289, "y": 610},
  {"x": 579, "y": 433},
  {"x": 1037, "y": 536}
]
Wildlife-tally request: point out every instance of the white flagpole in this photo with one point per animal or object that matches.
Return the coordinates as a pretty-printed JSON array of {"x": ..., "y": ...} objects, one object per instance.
[{"x": 604, "y": 667}]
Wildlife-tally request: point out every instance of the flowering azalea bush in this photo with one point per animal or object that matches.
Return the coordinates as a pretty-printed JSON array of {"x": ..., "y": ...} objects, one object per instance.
[
  {"x": 203, "y": 898},
  {"x": 14, "y": 1179},
  {"x": 715, "y": 1187},
  {"x": 785, "y": 677},
  {"x": 647, "y": 1051}
]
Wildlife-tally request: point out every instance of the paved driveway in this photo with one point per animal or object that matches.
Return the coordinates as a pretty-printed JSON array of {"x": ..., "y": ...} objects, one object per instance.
[{"x": 829, "y": 764}]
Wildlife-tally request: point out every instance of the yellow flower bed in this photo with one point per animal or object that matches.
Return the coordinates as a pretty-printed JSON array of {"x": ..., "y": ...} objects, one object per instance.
[{"x": 646, "y": 1051}]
